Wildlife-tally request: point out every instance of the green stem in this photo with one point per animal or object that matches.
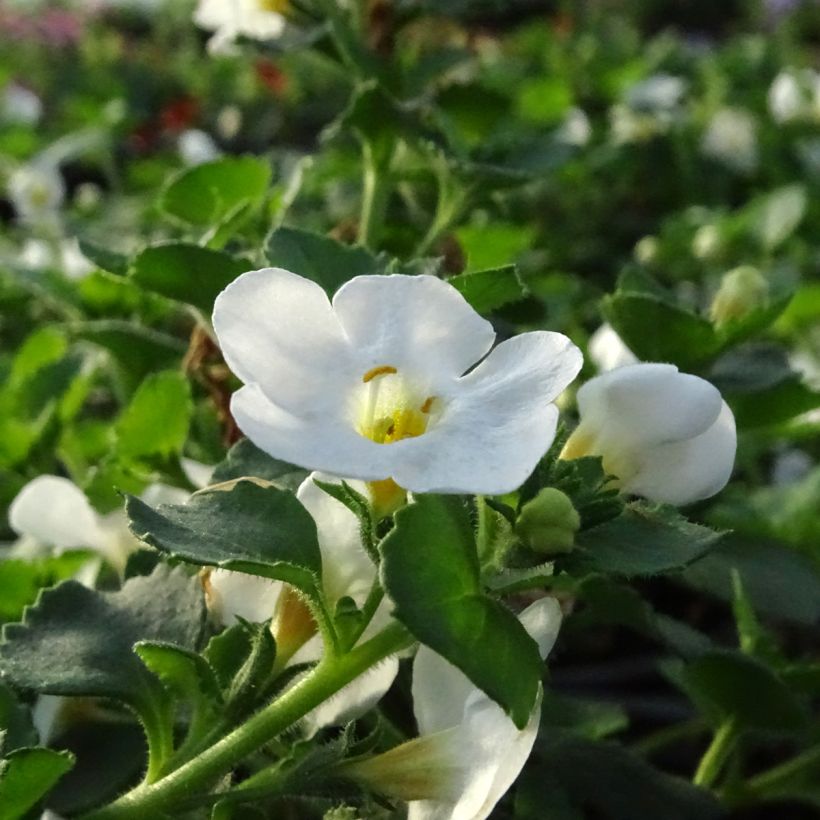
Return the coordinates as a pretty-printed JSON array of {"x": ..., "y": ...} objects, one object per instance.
[
  {"x": 715, "y": 757},
  {"x": 199, "y": 774},
  {"x": 375, "y": 194},
  {"x": 774, "y": 779}
]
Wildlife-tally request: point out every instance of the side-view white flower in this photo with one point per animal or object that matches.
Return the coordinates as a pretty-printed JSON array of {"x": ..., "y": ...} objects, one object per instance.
[
  {"x": 666, "y": 436},
  {"x": 19, "y": 104},
  {"x": 36, "y": 191},
  {"x": 229, "y": 19},
  {"x": 373, "y": 385},
  {"x": 346, "y": 571},
  {"x": 196, "y": 146},
  {"x": 731, "y": 138},
  {"x": 469, "y": 752}
]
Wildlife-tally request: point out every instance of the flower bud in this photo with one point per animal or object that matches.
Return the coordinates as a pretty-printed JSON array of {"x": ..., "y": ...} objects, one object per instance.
[
  {"x": 548, "y": 522},
  {"x": 706, "y": 242},
  {"x": 646, "y": 249},
  {"x": 741, "y": 291}
]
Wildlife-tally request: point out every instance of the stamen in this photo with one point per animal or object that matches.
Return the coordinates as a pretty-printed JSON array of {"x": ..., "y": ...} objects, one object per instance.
[
  {"x": 381, "y": 370},
  {"x": 428, "y": 404}
]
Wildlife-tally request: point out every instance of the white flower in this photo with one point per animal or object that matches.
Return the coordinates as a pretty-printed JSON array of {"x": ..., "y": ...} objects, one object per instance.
[
  {"x": 20, "y": 105},
  {"x": 667, "y": 436},
  {"x": 36, "y": 191},
  {"x": 795, "y": 95},
  {"x": 655, "y": 94},
  {"x": 229, "y": 19},
  {"x": 607, "y": 349},
  {"x": 372, "y": 385},
  {"x": 53, "y": 513},
  {"x": 73, "y": 262},
  {"x": 196, "y": 146},
  {"x": 576, "y": 129},
  {"x": 63, "y": 255},
  {"x": 469, "y": 751},
  {"x": 346, "y": 571},
  {"x": 731, "y": 138}
]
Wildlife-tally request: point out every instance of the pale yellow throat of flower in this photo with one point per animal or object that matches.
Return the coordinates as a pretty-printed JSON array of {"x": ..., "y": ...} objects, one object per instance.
[
  {"x": 276, "y": 6},
  {"x": 391, "y": 411},
  {"x": 616, "y": 463}
]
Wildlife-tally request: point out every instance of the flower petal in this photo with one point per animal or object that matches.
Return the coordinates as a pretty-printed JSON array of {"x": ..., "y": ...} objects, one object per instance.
[
  {"x": 237, "y": 594},
  {"x": 277, "y": 330},
  {"x": 542, "y": 620},
  {"x": 647, "y": 404},
  {"x": 346, "y": 567},
  {"x": 54, "y": 511},
  {"x": 418, "y": 324},
  {"x": 687, "y": 471},
  {"x": 607, "y": 349},
  {"x": 497, "y": 423},
  {"x": 329, "y": 444}
]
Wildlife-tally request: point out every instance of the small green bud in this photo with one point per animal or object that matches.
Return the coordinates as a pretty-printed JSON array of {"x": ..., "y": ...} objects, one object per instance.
[
  {"x": 706, "y": 242},
  {"x": 646, "y": 249},
  {"x": 741, "y": 291},
  {"x": 548, "y": 522}
]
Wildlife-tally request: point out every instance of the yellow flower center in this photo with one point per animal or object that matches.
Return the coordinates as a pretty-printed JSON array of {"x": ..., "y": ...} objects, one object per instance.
[
  {"x": 391, "y": 410},
  {"x": 276, "y": 6}
]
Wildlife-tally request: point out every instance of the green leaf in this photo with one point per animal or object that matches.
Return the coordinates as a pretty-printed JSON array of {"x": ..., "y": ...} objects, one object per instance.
[
  {"x": 261, "y": 530},
  {"x": 207, "y": 194},
  {"x": 487, "y": 290},
  {"x": 156, "y": 421},
  {"x": 104, "y": 258},
  {"x": 186, "y": 674},
  {"x": 643, "y": 540},
  {"x": 76, "y": 641},
  {"x": 727, "y": 684},
  {"x": 15, "y": 719},
  {"x": 249, "y": 680},
  {"x": 430, "y": 570},
  {"x": 26, "y": 776},
  {"x": 319, "y": 258},
  {"x": 245, "y": 459},
  {"x": 571, "y": 777},
  {"x": 187, "y": 273}
]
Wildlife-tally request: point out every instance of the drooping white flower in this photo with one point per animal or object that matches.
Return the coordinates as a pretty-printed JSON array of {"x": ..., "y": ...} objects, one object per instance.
[
  {"x": 347, "y": 571},
  {"x": 36, "y": 191},
  {"x": 53, "y": 513},
  {"x": 731, "y": 138},
  {"x": 196, "y": 146},
  {"x": 230, "y": 19},
  {"x": 469, "y": 752},
  {"x": 667, "y": 436},
  {"x": 607, "y": 349},
  {"x": 20, "y": 105},
  {"x": 372, "y": 386}
]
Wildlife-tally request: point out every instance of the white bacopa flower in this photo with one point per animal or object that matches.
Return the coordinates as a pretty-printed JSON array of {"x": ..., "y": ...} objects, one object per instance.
[
  {"x": 373, "y": 386},
  {"x": 795, "y": 95},
  {"x": 576, "y": 129},
  {"x": 666, "y": 436},
  {"x": 36, "y": 191},
  {"x": 347, "y": 571},
  {"x": 731, "y": 138},
  {"x": 469, "y": 752},
  {"x": 230, "y": 19},
  {"x": 196, "y": 146},
  {"x": 20, "y": 105},
  {"x": 656, "y": 94},
  {"x": 607, "y": 349}
]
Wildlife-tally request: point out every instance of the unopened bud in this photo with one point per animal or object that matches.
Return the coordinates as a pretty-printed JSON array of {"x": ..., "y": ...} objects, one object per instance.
[
  {"x": 646, "y": 249},
  {"x": 548, "y": 522},
  {"x": 706, "y": 242},
  {"x": 741, "y": 291}
]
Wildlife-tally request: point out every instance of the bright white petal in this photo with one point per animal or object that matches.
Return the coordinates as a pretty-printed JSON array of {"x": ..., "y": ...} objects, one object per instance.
[
  {"x": 497, "y": 422},
  {"x": 54, "y": 511},
  {"x": 330, "y": 444},
  {"x": 439, "y": 692},
  {"x": 542, "y": 620},
  {"x": 647, "y": 404},
  {"x": 418, "y": 324},
  {"x": 346, "y": 568},
  {"x": 277, "y": 330},
  {"x": 355, "y": 699},
  {"x": 231, "y": 594},
  {"x": 608, "y": 351},
  {"x": 46, "y": 716},
  {"x": 196, "y": 472},
  {"x": 687, "y": 471}
]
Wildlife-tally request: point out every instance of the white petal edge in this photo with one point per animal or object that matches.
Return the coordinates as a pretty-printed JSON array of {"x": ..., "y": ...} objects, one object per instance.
[{"x": 231, "y": 594}]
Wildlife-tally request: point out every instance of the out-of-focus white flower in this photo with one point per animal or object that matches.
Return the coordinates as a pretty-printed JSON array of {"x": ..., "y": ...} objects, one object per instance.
[
  {"x": 63, "y": 255},
  {"x": 196, "y": 146},
  {"x": 469, "y": 751},
  {"x": 665, "y": 435},
  {"x": 88, "y": 196},
  {"x": 372, "y": 386},
  {"x": 742, "y": 290},
  {"x": 36, "y": 254},
  {"x": 75, "y": 264},
  {"x": 20, "y": 105},
  {"x": 655, "y": 94},
  {"x": 230, "y": 19},
  {"x": 36, "y": 191},
  {"x": 607, "y": 349},
  {"x": 795, "y": 95},
  {"x": 731, "y": 138},
  {"x": 347, "y": 571},
  {"x": 576, "y": 129},
  {"x": 791, "y": 465},
  {"x": 229, "y": 122}
]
